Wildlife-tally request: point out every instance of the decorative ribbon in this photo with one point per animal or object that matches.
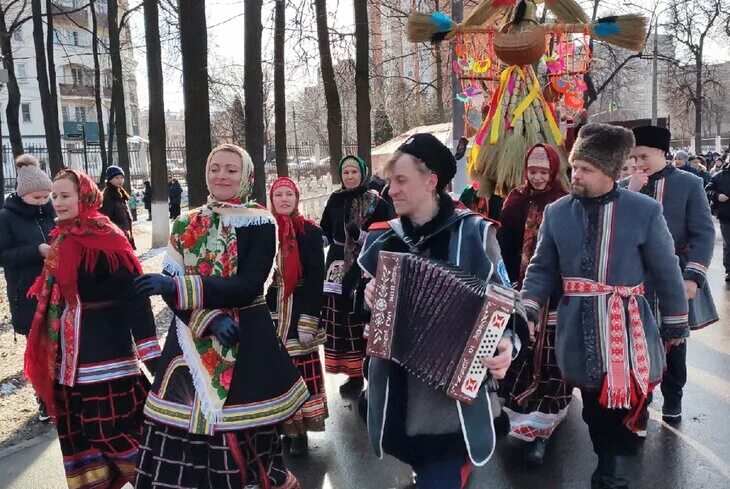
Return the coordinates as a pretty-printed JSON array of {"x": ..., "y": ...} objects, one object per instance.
[{"x": 618, "y": 391}]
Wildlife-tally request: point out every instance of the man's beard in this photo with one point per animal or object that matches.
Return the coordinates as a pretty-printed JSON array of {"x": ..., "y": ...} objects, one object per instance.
[{"x": 577, "y": 191}]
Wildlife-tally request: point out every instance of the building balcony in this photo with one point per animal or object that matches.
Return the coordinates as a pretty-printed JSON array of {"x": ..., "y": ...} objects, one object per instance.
[
  {"x": 62, "y": 13},
  {"x": 73, "y": 90}
]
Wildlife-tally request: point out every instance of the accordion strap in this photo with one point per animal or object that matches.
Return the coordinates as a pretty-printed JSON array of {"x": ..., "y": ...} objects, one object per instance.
[{"x": 415, "y": 247}]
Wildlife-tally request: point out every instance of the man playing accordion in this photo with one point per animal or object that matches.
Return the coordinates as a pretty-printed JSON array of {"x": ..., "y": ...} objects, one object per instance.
[{"x": 439, "y": 437}]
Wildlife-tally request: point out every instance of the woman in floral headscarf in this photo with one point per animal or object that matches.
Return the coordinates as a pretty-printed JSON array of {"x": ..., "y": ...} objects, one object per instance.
[
  {"x": 537, "y": 398},
  {"x": 225, "y": 381},
  {"x": 346, "y": 218},
  {"x": 295, "y": 302},
  {"x": 81, "y": 357}
]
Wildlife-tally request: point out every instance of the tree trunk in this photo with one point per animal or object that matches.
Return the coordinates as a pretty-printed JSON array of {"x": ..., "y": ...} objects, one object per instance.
[
  {"x": 157, "y": 134},
  {"x": 362, "y": 81},
  {"x": 282, "y": 168},
  {"x": 12, "y": 110},
  {"x": 440, "y": 84},
  {"x": 253, "y": 91},
  {"x": 698, "y": 102},
  {"x": 111, "y": 125},
  {"x": 53, "y": 137},
  {"x": 52, "y": 68},
  {"x": 98, "y": 89},
  {"x": 118, "y": 91},
  {"x": 334, "y": 110},
  {"x": 194, "y": 45}
]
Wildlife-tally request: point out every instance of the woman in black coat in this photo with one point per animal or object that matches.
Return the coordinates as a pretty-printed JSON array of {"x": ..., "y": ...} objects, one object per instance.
[
  {"x": 147, "y": 199},
  {"x": 116, "y": 202},
  {"x": 347, "y": 215},
  {"x": 175, "y": 193},
  {"x": 26, "y": 221}
]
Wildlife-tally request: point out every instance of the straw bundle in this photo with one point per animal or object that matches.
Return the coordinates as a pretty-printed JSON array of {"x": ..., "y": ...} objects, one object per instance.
[{"x": 625, "y": 31}]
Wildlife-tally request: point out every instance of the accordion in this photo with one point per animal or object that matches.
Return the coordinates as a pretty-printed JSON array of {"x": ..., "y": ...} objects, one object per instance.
[{"x": 437, "y": 322}]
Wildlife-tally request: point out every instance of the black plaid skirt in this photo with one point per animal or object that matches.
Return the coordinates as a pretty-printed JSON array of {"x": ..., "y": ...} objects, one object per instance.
[
  {"x": 99, "y": 426},
  {"x": 344, "y": 349},
  {"x": 171, "y": 457},
  {"x": 537, "y": 413},
  {"x": 311, "y": 416}
]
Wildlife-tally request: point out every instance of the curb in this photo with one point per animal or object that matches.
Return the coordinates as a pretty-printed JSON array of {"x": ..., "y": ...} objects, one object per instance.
[{"x": 51, "y": 435}]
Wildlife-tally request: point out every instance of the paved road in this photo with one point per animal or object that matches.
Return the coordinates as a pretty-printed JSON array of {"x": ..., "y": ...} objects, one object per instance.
[{"x": 696, "y": 454}]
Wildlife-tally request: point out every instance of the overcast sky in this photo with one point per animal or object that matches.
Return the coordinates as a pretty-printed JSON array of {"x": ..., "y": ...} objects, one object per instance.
[{"x": 225, "y": 25}]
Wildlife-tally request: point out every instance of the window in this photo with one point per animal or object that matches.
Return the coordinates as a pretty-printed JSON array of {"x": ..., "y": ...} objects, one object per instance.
[
  {"x": 75, "y": 38},
  {"x": 77, "y": 75},
  {"x": 80, "y": 113},
  {"x": 100, "y": 7},
  {"x": 67, "y": 3},
  {"x": 21, "y": 73},
  {"x": 18, "y": 34},
  {"x": 25, "y": 109},
  {"x": 57, "y": 36},
  {"x": 64, "y": 113}
]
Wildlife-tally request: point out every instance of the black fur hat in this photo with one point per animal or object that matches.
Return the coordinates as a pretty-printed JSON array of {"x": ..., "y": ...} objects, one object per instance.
[{"x": 604, "y": 146}]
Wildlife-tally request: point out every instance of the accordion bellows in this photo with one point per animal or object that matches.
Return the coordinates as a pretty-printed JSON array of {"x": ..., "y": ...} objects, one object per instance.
[{"x": 437, "y": 322}]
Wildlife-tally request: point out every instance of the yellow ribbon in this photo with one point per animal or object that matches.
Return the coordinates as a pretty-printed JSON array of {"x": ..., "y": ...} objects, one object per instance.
[
  {"x": 497, "y": 119},
  {"x": 534, "y": 93}
]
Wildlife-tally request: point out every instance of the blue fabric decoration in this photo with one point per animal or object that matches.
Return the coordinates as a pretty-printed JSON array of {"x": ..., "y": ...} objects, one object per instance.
[
  {"x": 502, "y": 272},
  {"x": 603, "y": 29},
  {"x": 442, "y": 22}
]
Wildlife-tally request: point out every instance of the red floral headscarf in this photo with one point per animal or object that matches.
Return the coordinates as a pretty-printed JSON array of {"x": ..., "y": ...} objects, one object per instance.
[
  {"x": 290, "y": 264},
  {"x": 82, "y": 238}
]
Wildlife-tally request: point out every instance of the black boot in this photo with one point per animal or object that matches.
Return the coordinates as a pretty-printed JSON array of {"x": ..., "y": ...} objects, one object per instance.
[
  {"x": 536, "y": 451},
  {"x": 616, "y": 473},
  {"x": 299, "y": 446},
  {"x": 352, "y": 386},
  {"x": 672, "y": 410},
  {"x": 598, "y": 473}
]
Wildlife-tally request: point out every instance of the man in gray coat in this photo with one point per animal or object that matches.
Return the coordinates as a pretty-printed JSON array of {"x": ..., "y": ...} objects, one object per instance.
[
  {"x": 599, "y": 245},
  {"x": 687, "y": 212}
]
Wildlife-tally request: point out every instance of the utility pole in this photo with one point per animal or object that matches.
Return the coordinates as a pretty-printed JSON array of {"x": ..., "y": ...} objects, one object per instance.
[
  {"x": 655, "y": 77},
  {"x": 457, "y": 108}
]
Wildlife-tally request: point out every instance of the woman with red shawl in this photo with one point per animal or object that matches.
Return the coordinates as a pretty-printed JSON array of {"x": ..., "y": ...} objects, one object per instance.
[
  {"x": 537, "y": 398},
  {"x": 295, "y": 302},
  {"x": 81, "y": 357}
]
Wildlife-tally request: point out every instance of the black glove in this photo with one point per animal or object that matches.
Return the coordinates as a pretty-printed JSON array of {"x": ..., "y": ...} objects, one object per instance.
[
  {"x": 225, "y": 329},
  {"x": 154, "y": 284}
]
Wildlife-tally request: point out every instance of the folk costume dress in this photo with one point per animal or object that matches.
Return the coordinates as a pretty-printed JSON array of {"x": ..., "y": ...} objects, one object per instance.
[
  {"x": 212, "y": 411},
  {"x": 345, "y": 220},
  {"x": 295, "y": 302},
  {"x": 536, "y": 397},
  {"x": 89, "y": 333}
]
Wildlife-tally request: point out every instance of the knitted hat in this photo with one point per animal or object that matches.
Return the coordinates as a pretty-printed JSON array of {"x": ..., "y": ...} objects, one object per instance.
[
  {"x": 653, "y": 137},
  {"x": 437, "y": 157},
  {"x": 682, "y": 155},
  {"x": 30, "y": 176},
  {"x": 537, "y": 158},
  {"x": 113, "y": 171},
  {"x": 357, "y": 162},
  {"x": 604, "y": 146}
]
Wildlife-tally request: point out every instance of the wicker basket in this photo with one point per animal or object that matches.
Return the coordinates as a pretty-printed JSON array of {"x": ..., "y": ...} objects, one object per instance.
[{"x": 522, "y": 47}]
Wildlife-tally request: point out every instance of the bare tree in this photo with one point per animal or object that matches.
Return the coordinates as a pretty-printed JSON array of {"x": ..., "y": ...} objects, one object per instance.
[
  {"x": 194, "y": 48},
  {"x": 334, "y": 111},
  {"x": 692, "y": 22},
  {"x": 254, "y": 95},
  {"x": 157, "y": 130},
  {"x": 13, "y": 12},
  {"x": 49, "y": 105},
  {"x": 282, "y": 168},
  {"x": 118, "y": 98},
  {"x": 362, "y": 81},
  {"x": 98, "y": 89}
]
